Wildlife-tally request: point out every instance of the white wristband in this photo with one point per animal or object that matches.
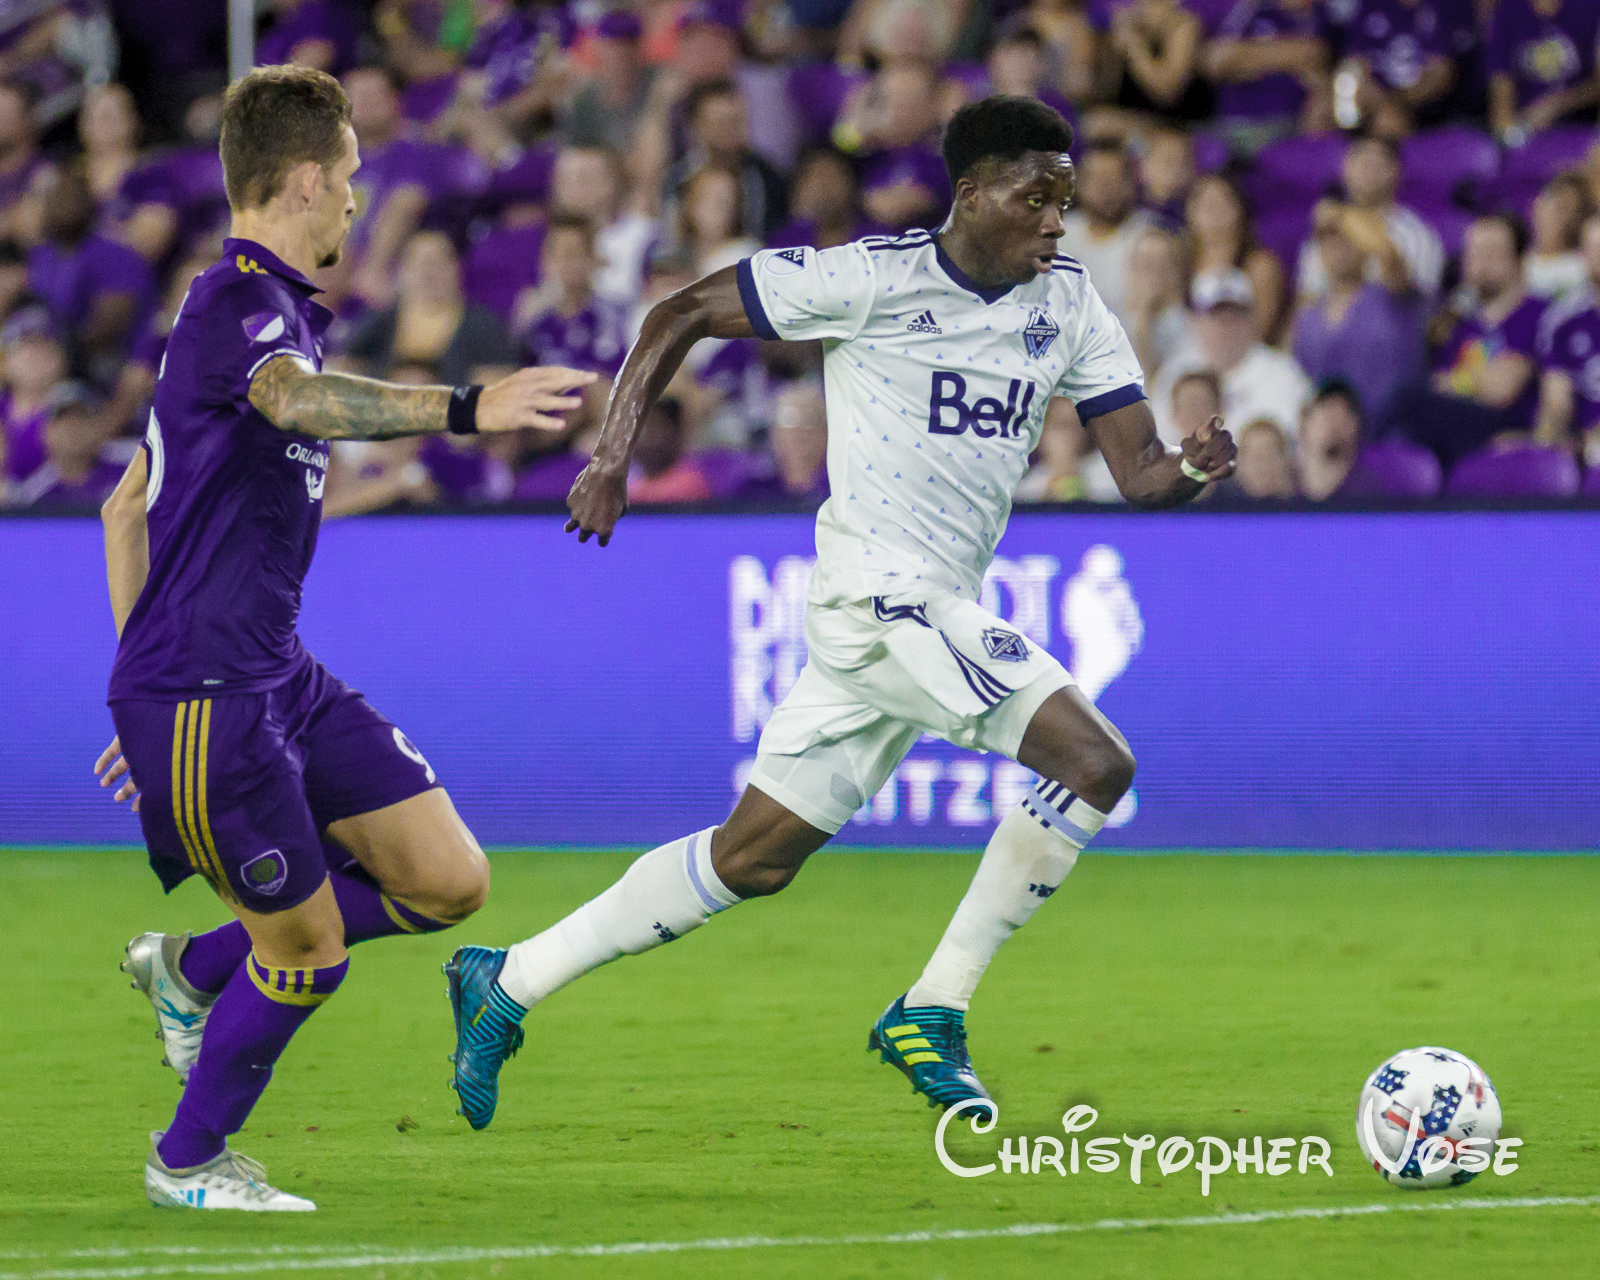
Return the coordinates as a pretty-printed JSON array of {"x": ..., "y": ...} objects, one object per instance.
[{"x": 1193, "y": 472}]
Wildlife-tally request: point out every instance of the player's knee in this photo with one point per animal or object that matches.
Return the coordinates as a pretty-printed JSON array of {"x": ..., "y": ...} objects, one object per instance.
[
  {"x": 1108, "y": 772},
  {"x": 751, "y": 872},
  {"x": 464, "y": 888}
]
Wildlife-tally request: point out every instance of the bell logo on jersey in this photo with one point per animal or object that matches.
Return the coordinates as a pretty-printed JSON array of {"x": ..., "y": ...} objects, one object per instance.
[
  {"x": 950, "y": 392},
  {"x": 1039, "y": 333}
]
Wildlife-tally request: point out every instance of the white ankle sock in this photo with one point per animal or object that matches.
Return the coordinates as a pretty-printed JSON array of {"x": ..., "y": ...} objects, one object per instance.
[
  {"x": 1029, "y": 855},
  {"x": 662, "y": 896}
]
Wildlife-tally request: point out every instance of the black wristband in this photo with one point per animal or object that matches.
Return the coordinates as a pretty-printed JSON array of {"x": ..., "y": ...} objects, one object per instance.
[{"x": 462, "y": 416}]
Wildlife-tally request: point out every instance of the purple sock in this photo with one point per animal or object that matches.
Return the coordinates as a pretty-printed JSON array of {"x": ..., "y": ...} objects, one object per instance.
[
  {"x": 252, "y": 1021},
  {"x": 210, "y": 959}
]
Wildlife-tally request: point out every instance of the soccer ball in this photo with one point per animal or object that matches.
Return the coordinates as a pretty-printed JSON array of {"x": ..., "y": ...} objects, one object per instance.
[{"x": 1428, "y": 1117}]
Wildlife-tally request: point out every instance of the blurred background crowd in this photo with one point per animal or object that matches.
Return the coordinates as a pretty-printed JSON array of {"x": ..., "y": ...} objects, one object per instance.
[{"x": 1365, "y": 231}]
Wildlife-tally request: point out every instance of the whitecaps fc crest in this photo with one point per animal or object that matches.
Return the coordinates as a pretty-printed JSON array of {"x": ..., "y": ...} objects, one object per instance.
[{"x": 1039, "y": 333}]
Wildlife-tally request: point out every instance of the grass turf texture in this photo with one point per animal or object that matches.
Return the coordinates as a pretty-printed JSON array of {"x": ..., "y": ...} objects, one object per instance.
[{"x": 720, "y": 1087}]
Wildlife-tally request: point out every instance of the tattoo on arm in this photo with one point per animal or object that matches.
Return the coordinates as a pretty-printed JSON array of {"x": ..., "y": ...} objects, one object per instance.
[{"x": 342, "y": 406}]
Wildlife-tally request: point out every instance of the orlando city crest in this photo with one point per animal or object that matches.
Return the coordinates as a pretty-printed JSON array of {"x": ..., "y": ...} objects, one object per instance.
[{"x": 1039, "y": 333}]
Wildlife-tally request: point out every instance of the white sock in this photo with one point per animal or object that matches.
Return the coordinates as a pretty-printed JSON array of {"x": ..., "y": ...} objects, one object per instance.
[
  {"x": 662, "y": 896},
  {"x": 1028, "y": 856}
]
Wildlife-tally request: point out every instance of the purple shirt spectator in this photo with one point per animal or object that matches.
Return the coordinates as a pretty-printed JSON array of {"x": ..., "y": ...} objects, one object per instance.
[
  {"x": 1376, "y": 346},
  {"x": 1542, "y": 54},
  {"x": 1271, "y": 96},
  {"x": 497, "y": 268},
  {"x": 1472, "y": 344},
  {"x": 71, "y": 281},
  {"x": 1397, "y": 40},
  {"x": 549, "y": 478},
  {"x": 920, "y": 164},
  {"x": 48, "y": 490},
  {"x": 1569, "y": 343},
  {"x": 310, "y": 20},
  {"x": 452, "y": 177},
  {"x": 24, "y": 437},
  {"x": 463, "y": 472},
  {"x": 507, "y": 50},
  {"x": 596, "y": 337}
]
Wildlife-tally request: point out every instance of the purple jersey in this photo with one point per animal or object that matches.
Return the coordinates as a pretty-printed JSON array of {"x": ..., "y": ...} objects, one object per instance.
[
  {"x": 1377, "y": 345},
  {"x": 1270, "y": 96},
  {"x": 313, "y": 20},
  {"x": 1397, "y": 40},
  {"x": 1543, "y": 54},
  {"x": 501, "y": 265},
  {"x": 596, "y": 337},
  {"x": 1569, "y": 342},
  {"x": 48, "y": 490},
  {"x": 1472, "y": 344},
  {"x": 452, "y": 177},
  {"x": 71, "y": 281},
  {"x": 919, "y": 164},
  {"x": 233, "y": 503},
  {"x": 24, "y": 438}
]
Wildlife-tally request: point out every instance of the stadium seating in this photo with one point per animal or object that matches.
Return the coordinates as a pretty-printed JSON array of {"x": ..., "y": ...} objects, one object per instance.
[{"x": 1531, "y": 472}]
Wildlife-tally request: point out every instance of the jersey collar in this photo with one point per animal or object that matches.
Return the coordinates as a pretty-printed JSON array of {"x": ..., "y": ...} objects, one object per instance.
[
  {"x": 947, "y": 263},
  {"x": 250, "y": 254}
]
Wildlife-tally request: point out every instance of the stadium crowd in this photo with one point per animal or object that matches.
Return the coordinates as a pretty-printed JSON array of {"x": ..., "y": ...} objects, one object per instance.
[{"x": 1363, "y": 230}]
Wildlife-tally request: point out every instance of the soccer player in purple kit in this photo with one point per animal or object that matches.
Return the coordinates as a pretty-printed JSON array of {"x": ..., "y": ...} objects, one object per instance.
[{"x": 247, "y": 754}]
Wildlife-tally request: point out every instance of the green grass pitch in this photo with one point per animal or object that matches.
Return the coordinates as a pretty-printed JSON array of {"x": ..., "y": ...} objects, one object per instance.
[{"x": 720, "y": 1088}]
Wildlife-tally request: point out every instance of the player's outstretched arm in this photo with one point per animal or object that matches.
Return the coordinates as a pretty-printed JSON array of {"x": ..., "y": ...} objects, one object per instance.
[
  {"x": 343, "y": 406},
  {"x": 1147, "y": 472},
  {"x": 709, "y": 308}
]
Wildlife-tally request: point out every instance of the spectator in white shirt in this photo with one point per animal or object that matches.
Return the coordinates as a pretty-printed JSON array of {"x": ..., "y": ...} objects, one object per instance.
[
  {"x": 1257, "y": 381},
  {"x": 1101, "y": 231},
  {"x": 1553, "y": 266},
  {"x": 1371, "y": 178}
]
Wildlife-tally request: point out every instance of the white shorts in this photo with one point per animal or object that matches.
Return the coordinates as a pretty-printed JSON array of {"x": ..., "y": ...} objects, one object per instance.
[{"x": 882, "y": 672}]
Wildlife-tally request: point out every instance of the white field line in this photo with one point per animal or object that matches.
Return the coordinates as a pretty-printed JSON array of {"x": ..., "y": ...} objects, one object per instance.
[{"x": 353, "y": 1257}]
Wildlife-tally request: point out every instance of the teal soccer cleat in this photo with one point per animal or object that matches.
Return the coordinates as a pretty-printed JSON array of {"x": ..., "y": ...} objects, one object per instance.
[
  {"x": 488, "y": 1030},
  {"x": 929, "y": 1045}
]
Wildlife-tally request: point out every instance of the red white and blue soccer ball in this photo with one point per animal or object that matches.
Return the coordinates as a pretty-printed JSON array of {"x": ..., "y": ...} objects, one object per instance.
[{"x": 1452, "y": 1100}]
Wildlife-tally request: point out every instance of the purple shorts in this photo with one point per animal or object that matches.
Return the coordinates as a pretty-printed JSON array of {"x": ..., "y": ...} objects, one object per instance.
[{"x": 238, "y": 789}]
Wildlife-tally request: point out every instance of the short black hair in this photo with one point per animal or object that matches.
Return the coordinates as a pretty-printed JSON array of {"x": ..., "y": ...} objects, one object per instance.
[
  {"x": 1001, "y": 128},
  {"x": 1340, "y": 389}
]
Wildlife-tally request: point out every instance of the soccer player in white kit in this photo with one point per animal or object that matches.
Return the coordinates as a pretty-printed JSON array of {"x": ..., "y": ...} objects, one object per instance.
[{"x": 942, "y": 351}]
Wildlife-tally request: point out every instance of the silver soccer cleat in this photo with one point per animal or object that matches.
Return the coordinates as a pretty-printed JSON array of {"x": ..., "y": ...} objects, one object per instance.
[
  {"x": 230, "y": 1181},
  {"x": 181, "y": 1011}
]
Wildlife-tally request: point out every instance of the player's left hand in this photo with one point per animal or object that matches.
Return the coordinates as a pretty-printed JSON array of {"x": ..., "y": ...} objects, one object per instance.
[
  {"x": 1212, "y": 450},
  {"x": 534, "y": 397},
  {"x": 118, "y": 768}
]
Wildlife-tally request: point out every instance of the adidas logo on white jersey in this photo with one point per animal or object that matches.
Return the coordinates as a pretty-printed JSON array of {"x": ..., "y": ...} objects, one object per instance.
[{"x": 924, "y": 324}]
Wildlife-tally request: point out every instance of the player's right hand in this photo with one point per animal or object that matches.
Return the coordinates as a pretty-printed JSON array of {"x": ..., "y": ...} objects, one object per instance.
[
  {"x": 532, "y": 398},
  {"x": 597, "y": 501},
  {"x": 112, "y": 756}
]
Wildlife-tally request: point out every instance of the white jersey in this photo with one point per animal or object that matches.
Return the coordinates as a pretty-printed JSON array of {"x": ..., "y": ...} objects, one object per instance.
[{"x": 936, "y": 392}]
